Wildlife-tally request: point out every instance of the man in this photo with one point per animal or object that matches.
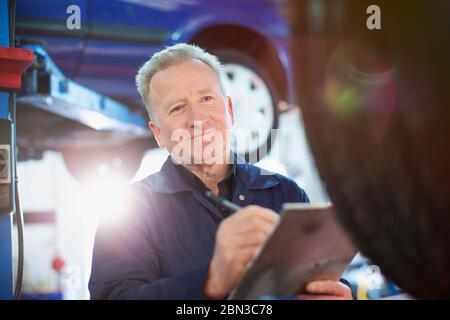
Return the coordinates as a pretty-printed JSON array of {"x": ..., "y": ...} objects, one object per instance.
[{"x": 175, "y": 243}]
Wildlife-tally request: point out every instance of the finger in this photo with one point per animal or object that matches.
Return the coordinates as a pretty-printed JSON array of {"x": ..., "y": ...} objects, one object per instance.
[
  {"x": 328, "y": 287},
  {"x": 246, "y": 255},
  {"x": 267, "y": 215},
  {"x": 255, "y": 226},
  {"x": 258, "y": 212},
  {"x": 242, "y": 227},
  {"x": 244, "y": 237},
  {"x": 255, "y": 237},
  {"x": 319, "y": 297},
  {"x": 252, "y": 218}
]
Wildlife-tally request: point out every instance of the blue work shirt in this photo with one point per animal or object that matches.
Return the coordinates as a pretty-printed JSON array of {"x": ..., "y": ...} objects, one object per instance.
[{"x": 163, "y": 248}]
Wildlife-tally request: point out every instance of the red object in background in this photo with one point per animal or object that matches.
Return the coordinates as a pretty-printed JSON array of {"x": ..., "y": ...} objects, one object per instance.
[
  {"x": 58, "y": 264},
  {"x": 13, "y": 62}
]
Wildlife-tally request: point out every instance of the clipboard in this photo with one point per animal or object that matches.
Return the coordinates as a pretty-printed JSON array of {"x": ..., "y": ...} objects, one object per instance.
[{"x": 307, "y": 244}]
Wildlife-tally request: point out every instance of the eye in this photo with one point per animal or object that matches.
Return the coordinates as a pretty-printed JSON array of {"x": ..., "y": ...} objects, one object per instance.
[
  {"x": 177, "y": 108},
  {"x": 207, "y": 98}
]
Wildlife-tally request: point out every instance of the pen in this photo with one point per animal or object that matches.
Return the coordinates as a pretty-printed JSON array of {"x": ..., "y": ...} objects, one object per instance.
[{"x": 222, "y": 201}]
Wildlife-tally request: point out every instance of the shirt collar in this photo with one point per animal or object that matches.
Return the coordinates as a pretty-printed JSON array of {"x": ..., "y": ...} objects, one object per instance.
[{"x": 194, "y": 182}]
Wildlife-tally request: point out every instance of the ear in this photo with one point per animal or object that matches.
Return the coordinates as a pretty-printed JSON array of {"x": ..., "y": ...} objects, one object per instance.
[
  {"x": 230, "y": 109},
  {"x": 156, "y": 133}
]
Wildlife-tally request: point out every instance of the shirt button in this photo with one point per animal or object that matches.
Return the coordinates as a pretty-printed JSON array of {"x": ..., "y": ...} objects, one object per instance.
[{"x": 241, "y": 197}]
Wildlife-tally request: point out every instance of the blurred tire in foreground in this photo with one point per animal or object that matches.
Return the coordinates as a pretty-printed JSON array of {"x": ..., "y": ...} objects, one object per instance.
[{"x": 377, "y": 114}]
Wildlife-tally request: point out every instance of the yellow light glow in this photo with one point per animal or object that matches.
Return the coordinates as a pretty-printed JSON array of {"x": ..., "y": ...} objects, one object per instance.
[{"x": 104, "y": 199}]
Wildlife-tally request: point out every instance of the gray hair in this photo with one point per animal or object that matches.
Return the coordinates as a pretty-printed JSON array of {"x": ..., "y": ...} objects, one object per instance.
[{"x": 172, "y": 55}]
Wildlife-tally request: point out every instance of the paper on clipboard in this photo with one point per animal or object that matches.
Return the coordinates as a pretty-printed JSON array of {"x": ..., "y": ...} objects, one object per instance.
[{"x": 307, "y": 244}]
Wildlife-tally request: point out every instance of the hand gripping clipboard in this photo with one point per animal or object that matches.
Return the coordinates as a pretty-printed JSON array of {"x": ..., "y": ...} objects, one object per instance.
[{"x": 307, "y": 244}]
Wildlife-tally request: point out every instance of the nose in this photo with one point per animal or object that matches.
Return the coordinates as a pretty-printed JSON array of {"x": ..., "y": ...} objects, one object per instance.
[{"x": 198, "y": 118}]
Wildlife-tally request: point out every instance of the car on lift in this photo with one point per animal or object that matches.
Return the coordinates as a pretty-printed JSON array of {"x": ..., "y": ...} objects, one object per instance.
[{"x": 115, "y": 37}]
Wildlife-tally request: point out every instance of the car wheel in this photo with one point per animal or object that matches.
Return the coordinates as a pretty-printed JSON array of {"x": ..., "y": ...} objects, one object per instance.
[
  {"x": 376, "y": 111},
  {"x": 255, "y": 103}
]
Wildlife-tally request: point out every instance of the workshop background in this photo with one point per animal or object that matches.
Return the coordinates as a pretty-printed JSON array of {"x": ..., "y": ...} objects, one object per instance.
[{"x": 81, "y": 127}]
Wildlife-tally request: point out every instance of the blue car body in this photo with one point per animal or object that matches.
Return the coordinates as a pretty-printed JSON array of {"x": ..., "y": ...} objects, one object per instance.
[{"x": 117, "y": 36}]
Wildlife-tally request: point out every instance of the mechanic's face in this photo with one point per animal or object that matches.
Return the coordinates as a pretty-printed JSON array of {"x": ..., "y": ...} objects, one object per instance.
[{"x": 191, "y": 116}]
